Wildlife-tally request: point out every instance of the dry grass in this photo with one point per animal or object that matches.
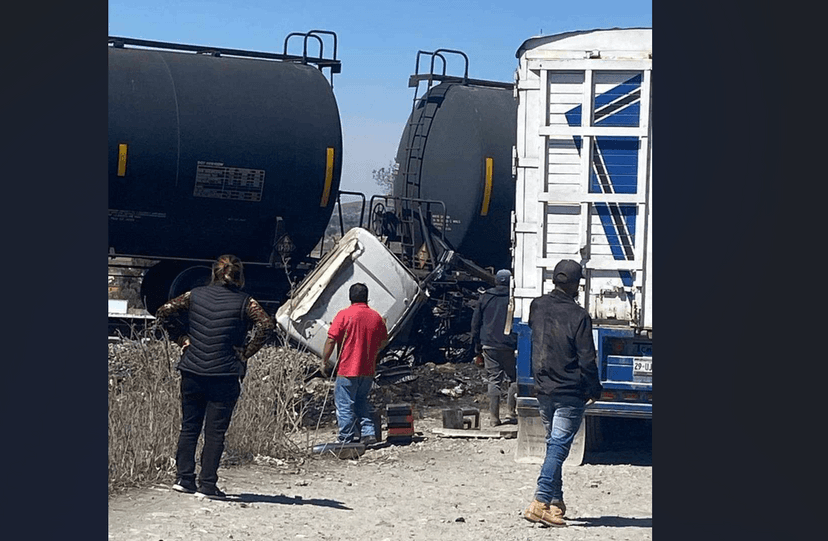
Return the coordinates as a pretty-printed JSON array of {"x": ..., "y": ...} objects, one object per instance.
[
  {"x": 270, "y": 409},
  {"x": 145, "y": 410}
]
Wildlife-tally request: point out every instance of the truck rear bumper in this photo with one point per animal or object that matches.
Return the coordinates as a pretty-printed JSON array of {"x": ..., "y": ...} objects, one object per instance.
[
  {"x": 528, "y": 405},
  {"x": 621, "y": 409}
]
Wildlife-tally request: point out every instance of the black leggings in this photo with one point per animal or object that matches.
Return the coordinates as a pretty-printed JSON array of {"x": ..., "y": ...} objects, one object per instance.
[{"x": 208, "y": 402}]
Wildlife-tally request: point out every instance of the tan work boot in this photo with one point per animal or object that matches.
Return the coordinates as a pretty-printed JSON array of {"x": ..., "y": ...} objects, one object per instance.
[
  {"x": 560, "y": 505},
  {"x": 546, "y": 514}
]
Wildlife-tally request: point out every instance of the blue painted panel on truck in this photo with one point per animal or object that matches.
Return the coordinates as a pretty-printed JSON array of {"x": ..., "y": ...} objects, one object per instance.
[
  {"x": 615, "y": 165},
  {"x": 620, "y": 368},
  {"x": 620, "y": 106},
  {"x": 524, "y": 358},
  {"x": 618, "y": 350}
]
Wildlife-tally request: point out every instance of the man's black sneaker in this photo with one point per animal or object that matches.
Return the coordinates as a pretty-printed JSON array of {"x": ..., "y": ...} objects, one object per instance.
[
  {"x": 187, "y": 487},
  {"x": 211, "y": 492}
]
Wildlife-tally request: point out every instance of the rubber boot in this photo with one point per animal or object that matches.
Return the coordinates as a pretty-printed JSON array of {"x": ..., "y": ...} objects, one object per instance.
[
  {"x": 511, "y": 402},
  {"x": 494, "y": 409}
]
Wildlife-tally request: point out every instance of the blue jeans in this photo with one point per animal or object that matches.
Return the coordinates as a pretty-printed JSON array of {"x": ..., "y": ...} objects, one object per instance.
[
  {"x": 353, "y": 411},
  {"x": 561, "y": 418}
]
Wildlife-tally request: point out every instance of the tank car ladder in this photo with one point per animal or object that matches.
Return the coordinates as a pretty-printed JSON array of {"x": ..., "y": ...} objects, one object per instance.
[{"x": 418, "y": 129}]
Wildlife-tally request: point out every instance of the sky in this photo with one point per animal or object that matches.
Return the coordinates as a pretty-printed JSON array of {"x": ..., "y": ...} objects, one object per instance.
[{"x": 377, "y": 44}]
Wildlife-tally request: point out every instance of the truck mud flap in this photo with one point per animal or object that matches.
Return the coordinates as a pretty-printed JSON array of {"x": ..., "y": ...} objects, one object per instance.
[{"x": 531, "y": 437}]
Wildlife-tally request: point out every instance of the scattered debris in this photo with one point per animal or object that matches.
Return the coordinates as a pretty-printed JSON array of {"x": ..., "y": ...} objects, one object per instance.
[
  {"x": 455, "y": 392},
  {"x": 506, "y": 431}
]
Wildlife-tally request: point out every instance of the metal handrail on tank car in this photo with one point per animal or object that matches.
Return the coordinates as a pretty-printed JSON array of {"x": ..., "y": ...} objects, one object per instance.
[
  {"x": 305, "y": 47},
  {"x": 313, "y": 33},
  {"x": 414, "y": 80},
  {"x": 341, "y": 220},
  {"x": 321, "y": 62},
  {"x": 420, "y": 202},
  {"x": 461, "y": 53},
  {"x": 406, "y": 203},
  {"x": 361, "y": 210}
]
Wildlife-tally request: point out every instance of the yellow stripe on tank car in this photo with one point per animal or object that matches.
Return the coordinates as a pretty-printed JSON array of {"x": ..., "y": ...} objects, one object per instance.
[
  {"x": 487, "y": 188},
  {"x": 326, "y": 193},
  {"x": 122, "y": 155}
]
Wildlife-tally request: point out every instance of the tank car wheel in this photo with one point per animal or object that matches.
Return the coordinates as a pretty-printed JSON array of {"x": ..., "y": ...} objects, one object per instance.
[
  {"x": 189, "y": 278},
  {"x": 155, "y": 285}
]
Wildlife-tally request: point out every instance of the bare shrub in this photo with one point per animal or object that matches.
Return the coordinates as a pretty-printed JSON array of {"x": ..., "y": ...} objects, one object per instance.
[
  {"x": 145, "y": 409},
  {"x": 268, "y": 417}
]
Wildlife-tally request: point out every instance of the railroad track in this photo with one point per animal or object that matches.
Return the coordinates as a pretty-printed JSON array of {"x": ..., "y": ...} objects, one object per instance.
[{"x": 126, "y": 323}]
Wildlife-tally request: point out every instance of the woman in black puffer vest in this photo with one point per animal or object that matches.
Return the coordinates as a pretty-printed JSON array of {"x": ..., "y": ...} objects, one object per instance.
[{"x": 213, "y": 362}]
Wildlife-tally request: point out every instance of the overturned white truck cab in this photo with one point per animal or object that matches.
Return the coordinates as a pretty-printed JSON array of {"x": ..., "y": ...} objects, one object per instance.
[{"x": 393, "y": 290}]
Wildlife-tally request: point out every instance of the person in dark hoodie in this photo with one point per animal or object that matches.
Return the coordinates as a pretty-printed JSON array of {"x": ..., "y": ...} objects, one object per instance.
[
  {"x": 211, "y": 324},
  {"x": 496, "y": 346},
  {"x": 566, "y": 380}
]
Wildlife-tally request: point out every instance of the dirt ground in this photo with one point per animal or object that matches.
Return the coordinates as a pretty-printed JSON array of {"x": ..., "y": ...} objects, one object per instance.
[{"x": 435, "y": 487}]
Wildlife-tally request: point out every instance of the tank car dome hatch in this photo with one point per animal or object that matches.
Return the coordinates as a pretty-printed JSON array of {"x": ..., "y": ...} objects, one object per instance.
[
  {"x": 211, "y": 150},
  {"x": 468, "y": 133}
]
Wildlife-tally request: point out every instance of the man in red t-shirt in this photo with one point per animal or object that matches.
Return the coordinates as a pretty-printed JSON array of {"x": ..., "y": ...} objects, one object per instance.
[{"x": 360, "y": 333}]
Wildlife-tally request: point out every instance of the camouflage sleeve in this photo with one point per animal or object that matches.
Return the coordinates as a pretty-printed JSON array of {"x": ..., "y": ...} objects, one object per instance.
[
  {"x": 169, "y": 316},
  {"x": 262, "y": 326}
]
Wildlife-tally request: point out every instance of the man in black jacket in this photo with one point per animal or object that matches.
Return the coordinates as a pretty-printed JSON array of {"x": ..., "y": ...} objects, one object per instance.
[
  {"x": 566, "y": 379},
  {"x": 497, "y": 346}
]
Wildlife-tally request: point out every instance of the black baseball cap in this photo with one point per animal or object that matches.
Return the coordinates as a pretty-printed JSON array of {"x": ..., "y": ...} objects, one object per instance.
[
  {"x": 503, "y": 276},
  {"x": 567, "y": 271}
]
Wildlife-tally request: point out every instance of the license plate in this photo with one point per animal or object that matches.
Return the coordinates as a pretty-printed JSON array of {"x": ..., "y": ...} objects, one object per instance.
[{"x": 643, "y": 366}]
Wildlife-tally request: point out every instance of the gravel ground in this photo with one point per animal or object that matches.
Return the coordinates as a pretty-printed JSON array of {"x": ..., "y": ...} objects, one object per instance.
[{"x": 433, "y": 488}]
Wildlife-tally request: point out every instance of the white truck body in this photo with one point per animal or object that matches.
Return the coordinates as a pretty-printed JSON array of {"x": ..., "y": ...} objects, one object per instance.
[{"x": 583, "y": 165}]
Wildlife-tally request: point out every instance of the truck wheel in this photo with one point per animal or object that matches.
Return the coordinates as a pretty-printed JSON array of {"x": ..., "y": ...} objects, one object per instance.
[{"x": 595, "y": 432}]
